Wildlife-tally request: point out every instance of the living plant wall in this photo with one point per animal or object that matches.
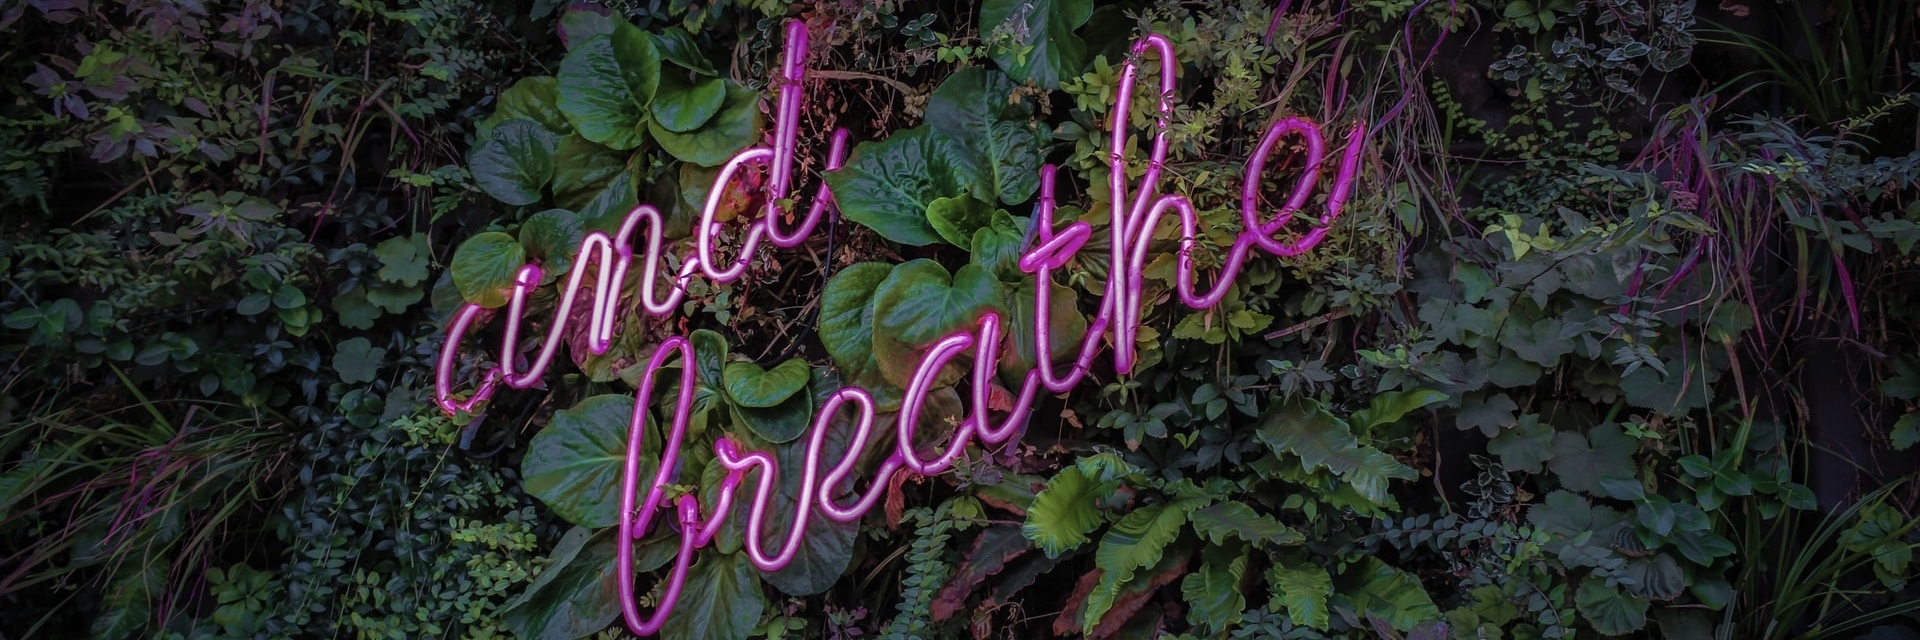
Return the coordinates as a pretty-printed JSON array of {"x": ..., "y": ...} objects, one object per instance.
[{"x": 1612, "y": 334}]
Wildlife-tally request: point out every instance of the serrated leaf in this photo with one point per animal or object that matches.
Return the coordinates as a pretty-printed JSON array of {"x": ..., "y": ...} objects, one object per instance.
[
  {"x": 403, "y": 260},
  {"x": 1525, "y": 446},
  {"x": 1302, "y": 592},
  {"x": 1489, "y": 414},
  {"x": 1064, "y": 511},
  {"x": 1611, "y": 612},
  {"x": 1304, "y": 428},
  {"x": 1389, "y": 407},
  {"x": 574, "y": 465},
  {"x": 1580, "y": 461},
  {"x": 357, "y": 360}
]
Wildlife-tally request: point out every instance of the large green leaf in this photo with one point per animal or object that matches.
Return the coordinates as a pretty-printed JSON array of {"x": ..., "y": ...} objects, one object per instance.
[
  {"x": 735, "y": 126},
  {"x": 1525, "y": 446},
  {"x": 685, "y": 101},
  {"x": 606, "y": 84},
  {"x": 1213, "y": 594},
  {"x": 1217, "y": 522},
  {"x": 919, "y": 303},
  {"x": 1038, "y": 44},
  {"x": 751, "y": 386},
  {"x": 609, "y": 208},
  {"x": 997, "y": 246},
  {"x": 957, "y": 217},
  {"x": 779, "y": 423},
  {"x": 1136, "y": 541},
  {"x": 1065, "y": 511},
  {"x": 1583, "y": 461},
  {"x": 516, "y": 163},
  {"x": 678, "y": 47},
  {"x": 887, "y": 185},
  {"x": 1304, "y": 428},
  {"x": 535, "y": 98},
  {"x": 722, "y": 600},
  {"x": 1019, "y": 353},
  {"x": 1374, "y": 588},
  {"x": 1612, "y": 613},
  {"x": 582, "y": 168},
  {"x": 827, "y": 548},
  {"x": 575, "y": 464},
  {"x": 575, "y": 595},
  {"x": 997, "y": 139},
  {"x": 552, "y": 237},
  {"x": 1388, "y": 408},
  {"x": 846, "y": 321},
  {"x": 1302, "y": 592},
  {"x": 485, "y": 266}
]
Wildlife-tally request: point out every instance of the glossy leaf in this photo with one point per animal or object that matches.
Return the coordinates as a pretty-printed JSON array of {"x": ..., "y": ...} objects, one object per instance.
[
  {"x": 887, "y": 185},
  {"x": 515, "y": 165},
  {"x": 582, "y": 169},
  {"x": 827, "y": 548},
  {"x": 957, "y": 217},
  {"x": 485, "y": 266},
  {"x": 1019, "y": 353},
  {"x": 1218, "y": 522},
  {"x": 606, "y": 84},
  {"x": 575, "y": 595},
  {"x": 1302, "y": 592},
  {"x": 1213, "y": 596},
  {"x": 1042, "y": 49},
  {"x": 996, "y": 139},
  {"x": 1064, "y": 512},
  {"x": 751, "y": 386},
  {"x": 552, "y": 237},
  {"x": 535, "y": 98},
  {"x": 722, "y": 600},
  {"x": 684, "y": 102},
  {"x": 846, "y": 321},
  {"x": 1371, "y": 587},
  {"x": 735, "y": 126},
  {"x": 574, "y": 465},
  {"x": 1138, "y": 540},
  {"x": 919, "y": 303}
]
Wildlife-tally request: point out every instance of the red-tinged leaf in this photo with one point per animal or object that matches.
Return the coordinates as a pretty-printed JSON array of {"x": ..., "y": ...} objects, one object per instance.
[
  {"x": 1068, "y": 622},
  {"x": 896, "y": 505},
  {"x": 991, "y": 551},
  {"x": 1135, "y": 595},
  {"x": 1020, "y": 576}
]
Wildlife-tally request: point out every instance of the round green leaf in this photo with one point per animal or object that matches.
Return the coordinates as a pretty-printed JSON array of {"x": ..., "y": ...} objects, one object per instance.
[
  {"x": 721, "y": 601},
  {"x": 780, "y": 423},
  {"x": 1612, "y": 613},
  {"x": 357, "y": 360},
  {"x": 846, "y": 322},
  {"x": 751, "y": 386},
  {"x": 484, "y": 268},
  {"x": 732, "y": 129},
  {"x": 516, "y": 163},
  {"x": 888, "y": 185},
  {"x": 920, "y": 303},
  {"x": 605, "y": 84},
  {"x": 552, "y": 237},
  {"x": 575, "y": 464},
  {"x": 685, "y": 101},
  {"x": 536, "y": 99}
]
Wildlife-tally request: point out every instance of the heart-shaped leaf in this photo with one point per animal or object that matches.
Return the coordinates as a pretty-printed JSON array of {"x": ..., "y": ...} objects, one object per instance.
[
  {"x": 735, "y": 126},
  {"x": 685, "y": 101},
  {"x": 606, "y": 84},
  {"x": 780, "y": 423},
  {"x": 722, "y": 600},
  {"x": 751, "y": 386},
  {"x": 956, "y": 218},
  {"x": 919, "y": 303},
  {"x": 516, "y": 164},
  {"x": 575, "y": 464},
  {"x": 609, "y": 208},
  {"x": 484, "y": 268},
  {"x": 997, "y": 246},
  {"x": 1042, "y": 47},
  {"x": 888, "y": 185},
  {"x": 846, "y": 321},
  {"x": 677, "y": 47},
  {"x": 1018, "y": 354},
  {"x": 582, "y": 168},
  {"x": 998, "y": 139}
]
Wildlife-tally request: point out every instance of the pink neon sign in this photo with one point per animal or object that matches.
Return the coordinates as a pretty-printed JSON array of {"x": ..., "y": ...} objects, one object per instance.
[{"x": 1133, "y": 220}]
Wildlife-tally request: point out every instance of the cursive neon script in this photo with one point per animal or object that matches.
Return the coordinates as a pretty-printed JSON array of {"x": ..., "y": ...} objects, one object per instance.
[{"x": 1133, "y": 220}]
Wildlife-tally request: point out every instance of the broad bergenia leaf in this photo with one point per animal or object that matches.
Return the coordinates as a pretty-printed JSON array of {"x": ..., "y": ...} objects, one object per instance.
[
  {"x": 515, "y": 165},
  {"x": 846, "y": 322},
  {"x": 685, "y": 101},
  {"x": 575, "y": 464},
  {"x": 535, "y": 98},
  {"x": 736, "y": 125},
  {"x": 574, "y": 596},
  {"x": 721, "y": 601},
  {"x": 751, "y": 386},
  {"x": 998, "y": 140},
  {"x": 606, "y": 84},
  {"x": 827, "y": 548},
  {"x": 484, "y": 268},
  {"x": 887, "y": 185},
  {"x": 582, "y": 168},
  {"x": 919, "y": 303}
]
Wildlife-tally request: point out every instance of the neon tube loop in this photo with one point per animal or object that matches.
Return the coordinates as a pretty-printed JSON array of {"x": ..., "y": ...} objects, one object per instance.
[{"x": 1130, "y": 232}]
